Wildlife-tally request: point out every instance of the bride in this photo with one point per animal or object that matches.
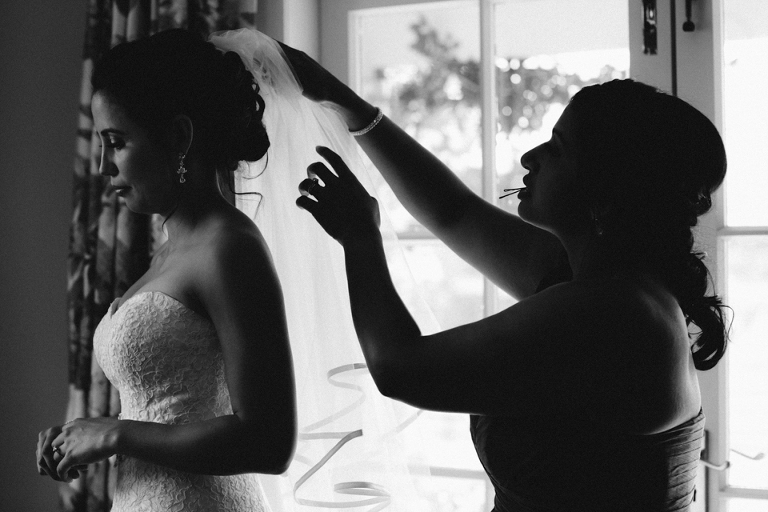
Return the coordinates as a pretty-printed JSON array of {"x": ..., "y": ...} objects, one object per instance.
[{"x": 199, "y": 346}]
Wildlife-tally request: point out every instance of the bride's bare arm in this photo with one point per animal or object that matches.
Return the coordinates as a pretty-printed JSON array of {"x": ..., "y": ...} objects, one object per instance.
[
  {"x": 241, "y": 293},
  {"x": 513, "y": 254}
]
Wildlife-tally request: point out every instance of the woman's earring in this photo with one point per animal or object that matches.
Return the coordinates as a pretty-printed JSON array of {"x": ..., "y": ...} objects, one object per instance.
[
  {"x": 182, "y": 170},
  {"x": 596, "y": 221}
]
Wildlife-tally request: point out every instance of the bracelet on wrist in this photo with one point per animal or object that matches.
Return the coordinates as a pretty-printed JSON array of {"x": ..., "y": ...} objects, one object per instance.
[{"x": 376, "y": 120}]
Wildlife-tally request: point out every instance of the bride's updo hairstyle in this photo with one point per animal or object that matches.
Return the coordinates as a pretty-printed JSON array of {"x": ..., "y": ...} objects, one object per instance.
[
  {"x": 175, "y": 72},
  {"x": 649, "y": 163}
]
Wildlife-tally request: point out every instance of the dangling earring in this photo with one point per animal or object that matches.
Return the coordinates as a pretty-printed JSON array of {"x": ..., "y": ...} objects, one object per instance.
[
  {"x": 596, "y": 221},
  {"x": 182, "y": 170}
]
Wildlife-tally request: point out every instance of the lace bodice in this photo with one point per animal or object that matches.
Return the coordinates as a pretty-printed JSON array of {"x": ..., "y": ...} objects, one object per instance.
[{"x": 166, "y": 362}]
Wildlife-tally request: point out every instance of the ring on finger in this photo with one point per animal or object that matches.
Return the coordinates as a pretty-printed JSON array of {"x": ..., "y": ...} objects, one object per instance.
[
  {"x": 312, "y": 185},
  {"x": 56, "y": 450}
]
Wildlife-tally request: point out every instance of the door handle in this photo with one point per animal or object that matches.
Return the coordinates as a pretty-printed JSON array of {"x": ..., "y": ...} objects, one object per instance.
[
  {"x": 725, "y": 465},
  {"x": 688, "y": 25}
]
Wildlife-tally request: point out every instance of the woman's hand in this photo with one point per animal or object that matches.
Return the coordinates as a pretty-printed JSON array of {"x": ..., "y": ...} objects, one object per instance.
[
  {"x": 317, "y": 83},
  {"x": 63, "y": 452},
  {"x": 341, "y": 206}
]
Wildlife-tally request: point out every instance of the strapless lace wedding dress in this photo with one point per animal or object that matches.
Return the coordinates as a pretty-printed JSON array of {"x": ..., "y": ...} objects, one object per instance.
[{"x": 166, "y": 362}]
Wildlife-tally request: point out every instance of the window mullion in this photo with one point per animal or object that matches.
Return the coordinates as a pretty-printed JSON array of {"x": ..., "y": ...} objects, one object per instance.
[{"x": 488, "y": 127}]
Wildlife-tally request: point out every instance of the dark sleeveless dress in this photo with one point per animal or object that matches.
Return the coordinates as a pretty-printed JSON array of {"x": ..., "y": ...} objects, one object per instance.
[{"x": 578, "y": 465}]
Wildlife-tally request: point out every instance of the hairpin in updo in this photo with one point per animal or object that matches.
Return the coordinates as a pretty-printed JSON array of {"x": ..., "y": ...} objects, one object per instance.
[{"x": 510, "y": 191}]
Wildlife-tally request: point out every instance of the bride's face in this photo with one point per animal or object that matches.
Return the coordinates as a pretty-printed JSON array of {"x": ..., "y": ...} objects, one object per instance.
[{"x": 141, "y": 169}]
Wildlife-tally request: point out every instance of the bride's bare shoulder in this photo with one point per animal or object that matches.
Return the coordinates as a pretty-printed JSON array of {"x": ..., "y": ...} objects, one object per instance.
[{"x": 228, "y": 230}]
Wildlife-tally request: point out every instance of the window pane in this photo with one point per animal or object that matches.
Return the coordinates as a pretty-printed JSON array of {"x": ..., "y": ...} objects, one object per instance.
[
  {"x": 448, "y": 441},
  {"x": 747, "y": 294},
  {"x": 444, "y": 494},
  {"x": 504, "y": 300},
  {"x": 745, "y": 505},
  {"x": 420, "y": 65},
  {"x": 454, "y": 292},
  {"x": 745, "y": 111},
  {"x": 453, "y": 289},
  {"x": 540, "y": 66}
]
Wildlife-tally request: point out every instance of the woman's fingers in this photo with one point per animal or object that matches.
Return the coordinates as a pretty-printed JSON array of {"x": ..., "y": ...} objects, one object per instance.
[
  {"x": 45, "y": 457},
  {"x": 295, "y": 57},
  {"x": 319, "y": 169},
  {"x": 321, "y": 215},
  {"x": 341, "y": 204},
  {"x": 67, "y": 466},
  {"x": 48, "y": 459},
  {"x": 312, "y": 77},
  {"x": 318, "y": 172},
  {"x": 348, "y": 184},
  {"x": 307, "y": 185},
  {"x": 338, "y": 164},
  {"x": 340, "y": 179},
  {"x": 65, "y": 470},
  {"x": 39, "y": 461},
  {"x": 306, "y": 203}
]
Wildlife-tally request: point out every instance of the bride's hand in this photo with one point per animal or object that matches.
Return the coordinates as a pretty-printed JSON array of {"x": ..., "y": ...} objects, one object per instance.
[
  {"x": 63, "y": 452},
  {"x": 47, "y": 458},
  {"x": 341, "y": 205}
]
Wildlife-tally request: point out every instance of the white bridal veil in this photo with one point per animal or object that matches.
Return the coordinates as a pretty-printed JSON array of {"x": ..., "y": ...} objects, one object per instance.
[{"x": 351, "y": 453}]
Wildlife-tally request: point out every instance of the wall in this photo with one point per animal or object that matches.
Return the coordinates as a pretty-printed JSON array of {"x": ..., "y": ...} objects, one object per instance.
[
  {"x": 40, "y": 48},
  {"x": 294, "y": 22}
]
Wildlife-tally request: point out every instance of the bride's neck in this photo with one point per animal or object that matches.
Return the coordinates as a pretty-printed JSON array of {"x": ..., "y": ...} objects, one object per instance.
[{"x": 194, "y": 206}]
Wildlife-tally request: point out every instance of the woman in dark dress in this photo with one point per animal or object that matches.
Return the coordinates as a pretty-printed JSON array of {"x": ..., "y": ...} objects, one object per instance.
[{"x": 584, "y": 395}]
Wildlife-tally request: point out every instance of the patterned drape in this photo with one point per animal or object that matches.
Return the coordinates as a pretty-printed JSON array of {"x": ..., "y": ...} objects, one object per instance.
[{"x": 110, "y": 246}]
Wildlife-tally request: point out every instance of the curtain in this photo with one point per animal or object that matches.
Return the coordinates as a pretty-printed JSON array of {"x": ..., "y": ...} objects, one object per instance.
[{"x": 110, "y": 246}]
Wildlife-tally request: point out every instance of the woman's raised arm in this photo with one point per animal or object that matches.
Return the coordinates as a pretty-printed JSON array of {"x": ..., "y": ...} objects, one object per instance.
[
  {"x": 543, "y": 354},
  {"x": 513, "y": 254}
]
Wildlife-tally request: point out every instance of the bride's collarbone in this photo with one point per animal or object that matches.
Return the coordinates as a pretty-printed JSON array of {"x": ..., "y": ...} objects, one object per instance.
[
  {"x": 172, "y": 274},
  {"x": 178, "y": 267}
]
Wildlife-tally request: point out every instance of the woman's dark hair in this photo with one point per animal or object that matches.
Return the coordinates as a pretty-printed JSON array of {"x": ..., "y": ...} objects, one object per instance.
[
  {"x": 650, "y": 164},
  {"x": 175, "y": 72}
]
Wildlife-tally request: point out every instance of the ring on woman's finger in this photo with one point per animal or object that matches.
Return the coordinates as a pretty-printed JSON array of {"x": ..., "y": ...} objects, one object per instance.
[
  {"x": 312, "y": 185},
  {"x": 57, "y": 450}
]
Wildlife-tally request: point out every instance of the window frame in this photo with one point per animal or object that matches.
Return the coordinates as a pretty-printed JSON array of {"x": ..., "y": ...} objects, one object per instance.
[{"x": 699, "y": 75}]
